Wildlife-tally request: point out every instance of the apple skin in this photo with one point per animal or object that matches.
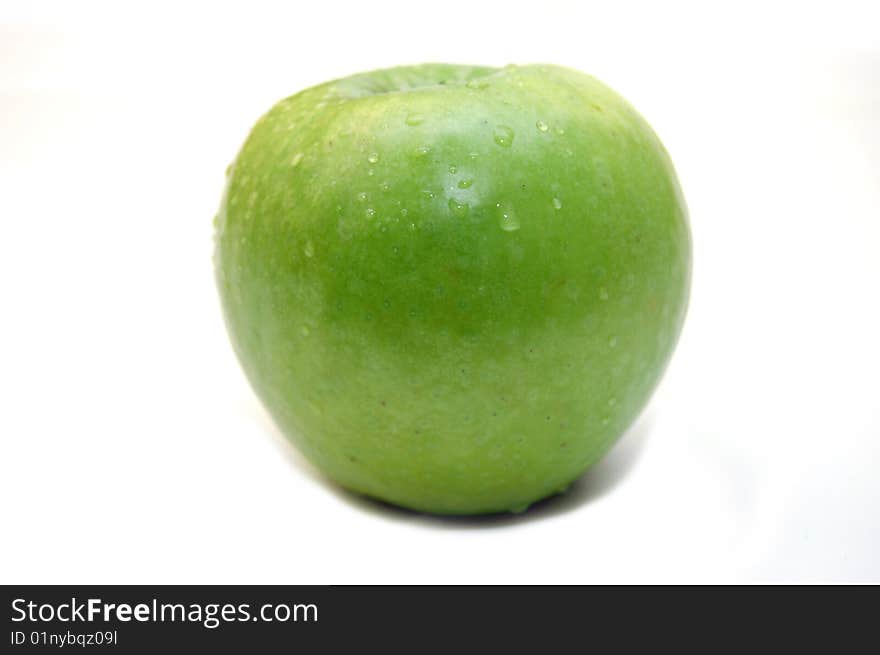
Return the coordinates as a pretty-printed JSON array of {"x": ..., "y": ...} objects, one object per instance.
[{"x": 454, "y": 287}]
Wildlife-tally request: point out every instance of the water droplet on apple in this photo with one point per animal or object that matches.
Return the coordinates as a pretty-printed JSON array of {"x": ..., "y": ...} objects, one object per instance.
[
  {"x": 473, "y": 156},
  {"x": 344, "y": 228},
  {"x": 422, "y": 151},
  {"x": 557, "y": 203},
  {"x": 542, "y": 126},
  {"x": 452, "y": 169},
  {"x": 362, "y": 196},
  {"x": 605, "y": 420},
  {"x": 297, "y": 158},
  {"x": 458, "y": 209},
  {"x": 559, "y": 131},
  {"x": 373, "y": 158},
  {"x": 507, "y": 220},
  {"x": 371, "y": 172},
  {"x": 309, "y": 249},
  {"x": 477, "y": 84},
  {"x": 464, "y": 184},
  {"x": 305, "y": 331},
  {"x": 370, "y": 212},
  {"x": 503, "y": 136},
  {"x": 415, "y": 119},
  {"x": 385, "y": 186},
  {"x": 428, "y": 193}
]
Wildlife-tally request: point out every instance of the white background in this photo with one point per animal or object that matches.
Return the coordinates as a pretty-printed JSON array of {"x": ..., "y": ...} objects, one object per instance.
[{"x": 132, "y": 449}]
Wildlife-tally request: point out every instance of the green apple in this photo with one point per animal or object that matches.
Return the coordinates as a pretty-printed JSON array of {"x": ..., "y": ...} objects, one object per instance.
[{"x": 454, "y": 287}]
